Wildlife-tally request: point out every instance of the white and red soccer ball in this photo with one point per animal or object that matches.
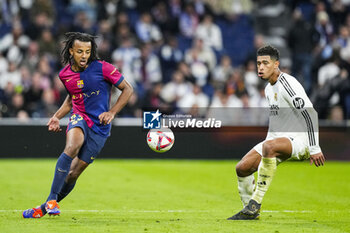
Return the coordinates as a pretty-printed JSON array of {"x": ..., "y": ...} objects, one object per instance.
[{"x": 160, "y": 140}]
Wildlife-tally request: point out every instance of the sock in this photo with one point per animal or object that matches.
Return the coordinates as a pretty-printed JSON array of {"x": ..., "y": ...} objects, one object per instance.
[
  {"x": 42, "y": 207},
  {"x": 66, "y": 189},
  {"x": 266, "y": 171},
  {"x": 246, "y": 188},
  {"x": 61, "y": 171}
]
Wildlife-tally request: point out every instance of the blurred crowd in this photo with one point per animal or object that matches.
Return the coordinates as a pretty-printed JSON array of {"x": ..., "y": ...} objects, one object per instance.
[{"x": 181, "y": 56}]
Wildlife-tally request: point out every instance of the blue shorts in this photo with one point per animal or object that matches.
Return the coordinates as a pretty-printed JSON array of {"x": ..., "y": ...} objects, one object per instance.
[{"x": 93, "y": 142}]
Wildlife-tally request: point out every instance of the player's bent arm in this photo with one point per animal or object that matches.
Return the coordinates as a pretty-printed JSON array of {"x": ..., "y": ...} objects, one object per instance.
[
  {"x": 298, "y": 99},
  {"x": 54, "y": 122},
  {"x": 123, "y": 99},
  {"x": 65, "y": 108}
]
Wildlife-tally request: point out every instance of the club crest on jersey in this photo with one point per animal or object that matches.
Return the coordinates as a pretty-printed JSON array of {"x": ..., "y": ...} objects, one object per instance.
[{"x": 80, "y": 83}]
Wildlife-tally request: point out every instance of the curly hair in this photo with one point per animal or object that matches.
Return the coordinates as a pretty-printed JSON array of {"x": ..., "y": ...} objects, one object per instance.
[
  {"x": 69, "y": 41},
  {"x": 268, "y": 50}
]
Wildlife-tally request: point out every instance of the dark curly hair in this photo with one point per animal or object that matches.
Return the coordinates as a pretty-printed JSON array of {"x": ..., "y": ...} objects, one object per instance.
[
  {"x": 268, "y": 50},
  {"x": 68, "y": 43}
]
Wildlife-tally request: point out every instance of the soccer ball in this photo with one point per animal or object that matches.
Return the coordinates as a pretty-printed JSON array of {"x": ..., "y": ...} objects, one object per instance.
[{"x": 160, "y": 140}]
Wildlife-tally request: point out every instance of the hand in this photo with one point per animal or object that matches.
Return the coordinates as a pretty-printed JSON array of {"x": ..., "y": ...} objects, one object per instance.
[
  {"x": 106, "y": 118},
  {"x": 54, "y": 124},
  {"x": 318, "y": 159}
]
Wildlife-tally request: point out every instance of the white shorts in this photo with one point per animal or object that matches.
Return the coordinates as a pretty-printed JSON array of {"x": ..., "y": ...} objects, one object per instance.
[{"x": 300, "y": 149}]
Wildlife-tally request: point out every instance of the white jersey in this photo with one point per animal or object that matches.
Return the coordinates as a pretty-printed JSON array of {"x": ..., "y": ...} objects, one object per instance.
[{"x": 291, "y": 112}]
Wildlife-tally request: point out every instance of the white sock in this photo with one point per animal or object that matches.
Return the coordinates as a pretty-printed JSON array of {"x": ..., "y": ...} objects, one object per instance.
[
  {"x": 266, "y": 171},
  {"x": 246, "y": 188}
]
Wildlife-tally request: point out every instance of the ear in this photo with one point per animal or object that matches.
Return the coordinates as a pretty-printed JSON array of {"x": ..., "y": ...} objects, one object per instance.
[
  {"x": 71, "y": 51},
  {"x": 277, "y": 64}
]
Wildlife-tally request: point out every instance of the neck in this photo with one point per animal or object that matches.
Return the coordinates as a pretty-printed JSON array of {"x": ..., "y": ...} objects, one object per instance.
[
  {"x": 77, "y": 68},
  {"x": 274, "y": 77}
]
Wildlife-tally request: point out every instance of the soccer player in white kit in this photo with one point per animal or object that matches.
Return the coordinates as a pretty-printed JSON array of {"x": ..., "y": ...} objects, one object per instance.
[{"x": 293, "y": 134}]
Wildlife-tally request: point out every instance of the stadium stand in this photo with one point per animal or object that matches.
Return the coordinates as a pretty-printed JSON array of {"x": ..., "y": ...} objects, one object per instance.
[{"x": 152, "y": 40}]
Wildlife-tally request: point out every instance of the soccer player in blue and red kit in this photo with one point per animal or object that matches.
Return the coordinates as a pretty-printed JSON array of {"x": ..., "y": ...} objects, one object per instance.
[{"x": 88, "y": 81}]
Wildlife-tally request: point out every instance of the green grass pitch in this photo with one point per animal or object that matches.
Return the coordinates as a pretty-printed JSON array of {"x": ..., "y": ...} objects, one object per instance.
[{"x": 175, "y": 196}]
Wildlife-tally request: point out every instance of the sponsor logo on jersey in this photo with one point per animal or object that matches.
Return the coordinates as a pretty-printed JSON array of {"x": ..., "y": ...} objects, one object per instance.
[
  {"x": 298, "y": 103},
  {"x": 86, "y": 95}
]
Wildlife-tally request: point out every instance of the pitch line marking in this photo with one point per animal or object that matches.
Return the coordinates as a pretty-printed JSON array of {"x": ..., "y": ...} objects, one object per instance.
[
  {"x": 175, "y": 211},
  {"x": 124, "y": 211}
]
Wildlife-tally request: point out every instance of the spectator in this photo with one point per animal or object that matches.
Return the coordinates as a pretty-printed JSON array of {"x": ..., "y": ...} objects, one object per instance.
[
  {"x": 14, "y": 44},
  {"x": 343, "y": 41},
  {"x": 336, "y": 115},
  {"x": 26, "y": 77},
  {"x": 47, "y": 45},
  {"x": 210, "y": 33},
  {"x": 170, "y": 55},
  {"x": 199, "y": 53},
  {"x": 146, "y": 30},
  {"x": 33, "y": 95},
  {"x": 188, "y": 21},
  {"x": 148, "y": 69},
  {"x": 324, "y": 28},
  {"x": 41, "y": 20},
  {"x": 235, "y": 84},
  {"x": 176, "y": 89},
  {"x": 17, "y": 104},
  {"x": 32, "y": 57},
  {"x": 12, "y": 75},
  {"x": 251, "y": 79},
  {"x": 162, "y": 15},
  {"x": 302, "y": 40},
  {"x": 194, "y": 103},
  {"x": 154, "y": 101},
  {"x": 47, "y": 107},
  {"x": 132, "y": 108},
  {"x": 184, "y": 68},
  {"x": 222, "y": 72},
  {"x": 329, "y": 70},
  {"x": 3, "y": 64},
  {"x": 125, "y": 58},
  {"x": 59, "y": 91}
]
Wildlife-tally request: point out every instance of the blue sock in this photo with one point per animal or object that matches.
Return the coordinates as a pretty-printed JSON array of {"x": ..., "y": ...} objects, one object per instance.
[
  {"x": 66, "y": 189},
  {"x": 42, "y": 207},
  {"x": 61, "y": 172}
]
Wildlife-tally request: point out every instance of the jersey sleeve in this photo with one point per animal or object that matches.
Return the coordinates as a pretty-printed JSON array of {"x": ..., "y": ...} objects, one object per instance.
[
  {"x": 111, "y": 74},
  {"x": 294, "y": 93}
]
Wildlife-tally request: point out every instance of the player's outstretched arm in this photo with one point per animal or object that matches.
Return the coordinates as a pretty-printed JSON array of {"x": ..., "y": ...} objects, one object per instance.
[
  {"x": 127, "y": 90},
  {"x": 54, "y": 122},
  {"x": 318, "y": 159}
]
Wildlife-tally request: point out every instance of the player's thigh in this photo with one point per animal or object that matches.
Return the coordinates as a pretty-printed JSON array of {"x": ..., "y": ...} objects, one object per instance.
[
  {"x": 279, "y": 147},
  {"x": 92, "y": 146},
  {"x": 74, "y": 141},
  {"x": 249, "y": 163}
]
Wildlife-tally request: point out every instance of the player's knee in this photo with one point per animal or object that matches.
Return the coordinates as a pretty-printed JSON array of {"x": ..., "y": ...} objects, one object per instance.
[
  {"x": 269, "y": 149},
  {"x": 72, "y": 150},
  {"x": 242, "y": 170}
]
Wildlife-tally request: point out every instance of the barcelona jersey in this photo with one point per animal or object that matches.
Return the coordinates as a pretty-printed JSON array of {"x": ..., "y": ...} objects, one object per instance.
[{"x": 90, "y": 91}]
